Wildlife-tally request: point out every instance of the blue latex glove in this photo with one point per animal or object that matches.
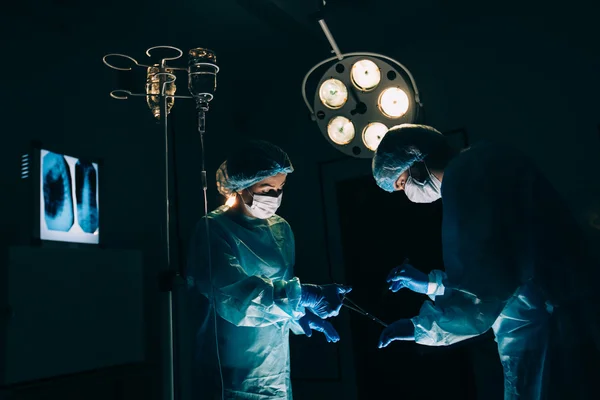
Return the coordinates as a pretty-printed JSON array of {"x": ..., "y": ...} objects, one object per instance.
[
  {"x": 310, "y": 321},
  {"x": 402, "y": 329},
  {"x": 407, "y": 276},
  {"x": 324, "y": 301}
]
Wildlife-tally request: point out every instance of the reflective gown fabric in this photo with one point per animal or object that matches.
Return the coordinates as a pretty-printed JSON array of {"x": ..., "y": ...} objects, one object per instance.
[
  {"x": 257, "y": 301},
  {"x": 516, "y": 262}
]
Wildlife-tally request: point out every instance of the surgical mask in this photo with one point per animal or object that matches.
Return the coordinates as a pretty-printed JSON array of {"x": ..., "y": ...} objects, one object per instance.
[
  {"x": 263, "y": 206},
  {"x": 423, "y": 192}
]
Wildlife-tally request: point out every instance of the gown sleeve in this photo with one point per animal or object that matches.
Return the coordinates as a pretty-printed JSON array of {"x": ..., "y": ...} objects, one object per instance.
[
  {"x": 240, "y": 298},
  {"x": 455, "y": 317}
]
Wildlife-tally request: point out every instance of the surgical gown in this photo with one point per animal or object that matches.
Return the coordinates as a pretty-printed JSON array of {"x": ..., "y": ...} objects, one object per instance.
[
  {"x": 257, "y": 302},
  {"x": 516, "y": 263}
]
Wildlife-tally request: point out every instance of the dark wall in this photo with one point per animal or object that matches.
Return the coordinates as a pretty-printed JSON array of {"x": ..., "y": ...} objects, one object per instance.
[{"x": 531, "y": 81}]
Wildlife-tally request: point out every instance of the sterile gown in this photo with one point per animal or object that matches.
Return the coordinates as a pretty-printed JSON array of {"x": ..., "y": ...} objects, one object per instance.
[
  {"x": 515, "y": 262},
  {"x": 257, "y": 303}
]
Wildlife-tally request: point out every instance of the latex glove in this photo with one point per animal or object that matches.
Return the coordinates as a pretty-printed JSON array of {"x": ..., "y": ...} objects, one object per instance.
[
  {"x": 310, "y": 321},
  {"x": 407, "y": 276},
  {"x": 324, "y": 301},
  {"x": 402, "y": 329}
]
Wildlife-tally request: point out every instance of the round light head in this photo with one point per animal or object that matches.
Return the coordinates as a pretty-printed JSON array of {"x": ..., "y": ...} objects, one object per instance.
[
  {"x": 340, "y": 130},
  {"x": 333, "y": 93},
  {"x": 365, "y": 75},
  {"x": 357, "y": 99},
  {"x": 393, "y": 102},
  {"x": 372, "y": 135}
]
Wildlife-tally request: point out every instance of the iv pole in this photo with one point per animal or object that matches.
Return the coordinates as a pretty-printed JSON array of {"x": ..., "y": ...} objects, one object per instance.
[{"x": 171, "y": 276}]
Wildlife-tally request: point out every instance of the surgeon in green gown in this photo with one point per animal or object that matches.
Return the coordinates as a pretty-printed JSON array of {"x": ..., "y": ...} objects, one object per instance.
[{"x": 247, "y": 298}]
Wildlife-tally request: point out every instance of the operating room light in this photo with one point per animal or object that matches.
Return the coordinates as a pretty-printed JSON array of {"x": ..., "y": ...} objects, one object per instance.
[
  {"x": 394, "y": 102},
  {"x": 340, "y": 130},
  {"x": 372, "y": 135},
  {"x": 365, "y": 75},
  {"x": 358, "y": 97},
  {"x": 333, "y": 93}
]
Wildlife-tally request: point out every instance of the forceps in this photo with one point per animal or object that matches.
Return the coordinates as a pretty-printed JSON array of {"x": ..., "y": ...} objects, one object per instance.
[{"x": 354, "y": 307}]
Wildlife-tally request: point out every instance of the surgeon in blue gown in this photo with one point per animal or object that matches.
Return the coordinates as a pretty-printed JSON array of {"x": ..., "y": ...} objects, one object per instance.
[
  {"x": 515, "y": 262},
  {"x": 256, "y": 296}
]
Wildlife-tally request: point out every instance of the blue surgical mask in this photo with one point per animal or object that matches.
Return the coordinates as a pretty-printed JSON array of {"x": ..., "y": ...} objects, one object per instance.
[{"x": 423, "y": 192}]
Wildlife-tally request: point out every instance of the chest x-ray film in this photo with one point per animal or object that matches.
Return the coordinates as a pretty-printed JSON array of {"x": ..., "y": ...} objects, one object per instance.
[{"x": 69, "y": 207}]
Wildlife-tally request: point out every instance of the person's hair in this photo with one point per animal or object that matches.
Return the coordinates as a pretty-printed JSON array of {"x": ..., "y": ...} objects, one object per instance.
[
  {"x": 250, "y": 163},
  {"x": 257, "y": 157}
]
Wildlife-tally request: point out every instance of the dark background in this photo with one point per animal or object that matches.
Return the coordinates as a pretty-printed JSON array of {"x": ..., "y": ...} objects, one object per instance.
[{"x": 524, "y": 73}]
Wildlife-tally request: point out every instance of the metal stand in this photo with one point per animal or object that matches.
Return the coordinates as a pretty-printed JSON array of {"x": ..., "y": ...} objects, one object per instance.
[
  {"x": 172, "y": 274},
  {"x": 202, "y": 108}
]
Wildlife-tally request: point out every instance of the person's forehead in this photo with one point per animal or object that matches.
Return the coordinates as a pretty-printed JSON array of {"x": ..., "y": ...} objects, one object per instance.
[{"x": 273, "y": 180}]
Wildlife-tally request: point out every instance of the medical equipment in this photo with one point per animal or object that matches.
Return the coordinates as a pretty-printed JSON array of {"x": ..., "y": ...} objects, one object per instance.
[
  {"x": 360, "y": 97},
  {"x": 354, "y": 307},
  {"x": 160, "y": 92}
]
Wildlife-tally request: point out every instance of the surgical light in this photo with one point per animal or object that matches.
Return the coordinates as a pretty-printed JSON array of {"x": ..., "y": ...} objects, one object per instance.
[
  {"x": 394, "y": 102},
  {"x": 333, "y": 93},
  {"x": 372, "y": 135},
  {"x": 340, "y": 130},
  {"x": 358, "y": 96},
  {"x": 365, "y": 75}
]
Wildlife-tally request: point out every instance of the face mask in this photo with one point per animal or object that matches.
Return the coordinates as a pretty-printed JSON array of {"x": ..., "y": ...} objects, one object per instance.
[
  {"x": 423, "y": 192},
  {"x": 263, "y": 206}
]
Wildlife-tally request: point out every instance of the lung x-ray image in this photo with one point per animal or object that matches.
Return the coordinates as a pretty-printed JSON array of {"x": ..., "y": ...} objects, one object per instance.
[{"x": 69, "y": 205}]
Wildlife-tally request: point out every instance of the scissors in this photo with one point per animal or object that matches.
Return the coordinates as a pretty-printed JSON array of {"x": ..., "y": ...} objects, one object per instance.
[{"x": 354, "y": 307}]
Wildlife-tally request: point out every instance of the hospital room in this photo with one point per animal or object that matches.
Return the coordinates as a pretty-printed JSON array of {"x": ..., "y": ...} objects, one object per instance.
[{"x": 300, "y": 200}]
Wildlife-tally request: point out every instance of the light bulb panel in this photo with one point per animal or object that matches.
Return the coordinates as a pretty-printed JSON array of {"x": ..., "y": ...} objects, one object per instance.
[
  {"x": 365, "y": 75},
  {"x": 393, "y": 102},
  {"x": 373, "y": 134},
  {"x": 340, "y": 130},
  {"x": 362, "y": 115},
  {"x": 333, "y": 93}
]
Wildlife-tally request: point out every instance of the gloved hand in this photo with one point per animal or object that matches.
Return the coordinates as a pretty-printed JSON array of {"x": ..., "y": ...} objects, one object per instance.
[
  {"x": 402, "y": 329},
  {"x": 310, "y": 320},
  {"x": 407, "y": 276},
  {"x": 324, "y": 301}
]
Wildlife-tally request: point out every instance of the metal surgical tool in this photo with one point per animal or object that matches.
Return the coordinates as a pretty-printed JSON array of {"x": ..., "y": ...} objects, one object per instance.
[{"x": 354, "y": 307}]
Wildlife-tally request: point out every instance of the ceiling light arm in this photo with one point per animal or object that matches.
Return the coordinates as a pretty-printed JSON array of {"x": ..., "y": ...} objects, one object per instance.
[
  {"x": 331, "y": 40},
  {"x": 328, "y": 60}
]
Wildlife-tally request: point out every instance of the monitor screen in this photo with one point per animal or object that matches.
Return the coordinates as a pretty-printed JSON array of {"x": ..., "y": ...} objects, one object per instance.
[{"x": 69, "y": 206}]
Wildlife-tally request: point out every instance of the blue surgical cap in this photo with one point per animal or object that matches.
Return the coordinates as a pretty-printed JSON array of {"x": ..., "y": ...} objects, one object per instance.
[
  {"x": 253, "y": 162},
  {"x": 400, "y": 148}
]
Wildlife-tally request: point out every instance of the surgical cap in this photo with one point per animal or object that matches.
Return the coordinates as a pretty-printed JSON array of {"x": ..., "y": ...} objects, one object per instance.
[
  {"x": 399, "y": 149},
  {"x": 250, "y": 164}
]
